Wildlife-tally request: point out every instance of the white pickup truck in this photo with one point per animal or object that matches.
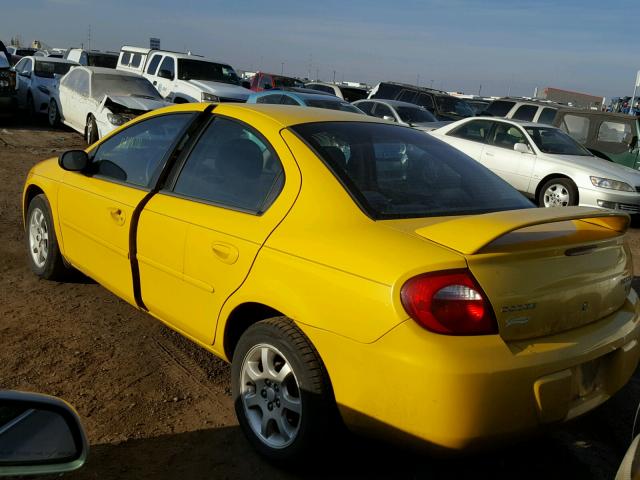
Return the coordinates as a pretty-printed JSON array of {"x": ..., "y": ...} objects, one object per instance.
[{"x": 182, "y": 78}]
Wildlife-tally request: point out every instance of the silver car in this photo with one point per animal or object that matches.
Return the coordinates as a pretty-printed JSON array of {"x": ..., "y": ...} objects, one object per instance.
[
  {"x": 544, "y": 163},
  {"x": 404, "y": 113}
]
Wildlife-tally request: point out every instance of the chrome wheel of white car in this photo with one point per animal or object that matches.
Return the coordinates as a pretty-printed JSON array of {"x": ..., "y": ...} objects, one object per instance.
[
  {"x": 271, "y": 396},
  {"x": 54, "y": 114},
  {"x": 38, "y": 237},
  {"x": 558, "y": 192}
]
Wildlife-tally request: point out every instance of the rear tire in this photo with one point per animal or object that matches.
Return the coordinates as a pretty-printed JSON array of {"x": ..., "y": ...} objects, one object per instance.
[
  {"x": 45, "y": 257},
  {"x": 558, "y": 192},
  {"x": 285, "y": 408},
  {"x": 91, "y": 130}
]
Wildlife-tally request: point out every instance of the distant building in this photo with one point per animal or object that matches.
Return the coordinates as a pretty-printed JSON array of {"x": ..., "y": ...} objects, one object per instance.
[{"x": 567, "y": 97}]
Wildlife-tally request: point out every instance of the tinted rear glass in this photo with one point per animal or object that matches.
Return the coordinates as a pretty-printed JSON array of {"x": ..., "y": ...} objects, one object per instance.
[
  {"x": 398, "y": 172},
  {"x": 48, "y": 69},
  {"x": 499, "y": 108},
  {"x": 353, "y": 94},
  {"x": 102, "y": 60}
]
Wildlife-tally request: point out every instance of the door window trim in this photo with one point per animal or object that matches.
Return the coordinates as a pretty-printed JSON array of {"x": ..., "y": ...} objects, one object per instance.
[{"x": 524, "y": 134}]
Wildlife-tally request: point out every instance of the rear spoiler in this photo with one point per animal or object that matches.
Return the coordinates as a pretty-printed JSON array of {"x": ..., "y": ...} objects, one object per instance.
[{"x": 470, "y": 234}]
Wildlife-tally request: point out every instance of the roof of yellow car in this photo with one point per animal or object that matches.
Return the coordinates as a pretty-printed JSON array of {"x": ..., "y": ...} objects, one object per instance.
[{"x": 284, "y": 114}]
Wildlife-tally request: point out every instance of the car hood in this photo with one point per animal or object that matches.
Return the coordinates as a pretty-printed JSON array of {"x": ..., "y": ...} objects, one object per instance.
[
  {"x": 598, "y": 166},
  {"x": 136, "y": 103},
  {"x": 222, "y": 90}
]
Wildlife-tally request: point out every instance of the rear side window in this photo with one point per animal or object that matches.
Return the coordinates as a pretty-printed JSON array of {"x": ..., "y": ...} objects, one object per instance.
[
  {"x": 398, "y": 172},
  {"x": 232, "y": 166},
  {"x": 124, "y": 60},
  {"x": 133, "y": 155},
  {"x": 577, "y": 127},
  {"x": 382, "y": 110},
  {"x": 547, "y": 116},
  {"x": 407, "y": 96},
  {"x": 499, "y": 108},
  {"x": 153, "y": 64},
  {"x": 135, "y": 60},
  {"x": 82, "y": 84},
  {"x": 353, "y": 94},
  {"x": 287, "y": 100},
  {"x": 425, "y": 100},
  {"x": 266, "y": 81},
  {"x": 615, "y": 132},
  {"x": 525, "y": 112},
  {"x": 475, "y": 130}
]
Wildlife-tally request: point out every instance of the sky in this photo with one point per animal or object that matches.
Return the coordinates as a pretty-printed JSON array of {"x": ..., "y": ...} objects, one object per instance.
[{"x": 493, "y": 46}]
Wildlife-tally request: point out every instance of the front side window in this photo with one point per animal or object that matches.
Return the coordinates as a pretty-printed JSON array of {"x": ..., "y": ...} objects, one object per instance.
[
  {"x": 168, "y": 65},
  {"x": 134, "y": 154},
  {"x": 382, "y": 111},
  {"x": 20, "y": 66},
  {"x": 153, "y": 64},
  {"x": 577, "y": 127},
  {"x": 397, "y": 172},
  {"x": 615, "y": 132},
  {"x": 366, "y": 107},
  {"x": 475, "y": 130},
  {"x": 287, "y": 100},
  {"x": 232, "y": 166},
  {"x": 525, "y": 113},
  {"x": 506, "y": 136},
  {"x": 555, "y": 141},
  {"x": 425, "y": 100},
  {"x": 266, "y": 81}
]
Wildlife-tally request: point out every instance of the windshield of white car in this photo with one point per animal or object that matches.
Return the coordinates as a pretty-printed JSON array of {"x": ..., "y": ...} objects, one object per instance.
[
  {"x": 415, "y": 115},
  {"x": 102, "y": 60},
  {"x": 122, "y": 85},
  {"x": 332, "y": 105},
  {"x": 454, "y": 105},
  {"x": 49, "y": 69},
  {"x": 555, "y": 141},
  {"x": 200, "y": 70},
  {"x": 397, "y": 172}
]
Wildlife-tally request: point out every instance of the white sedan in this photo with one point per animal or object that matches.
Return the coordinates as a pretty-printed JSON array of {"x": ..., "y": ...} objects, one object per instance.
[
  {"x": 544, "y": 163},
  {"x": 36, "y": 78},
  {"x": 95, "y": 101}
]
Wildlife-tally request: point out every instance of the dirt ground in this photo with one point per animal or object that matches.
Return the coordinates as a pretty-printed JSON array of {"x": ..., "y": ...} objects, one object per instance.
[{"x": 156, "y": 406}]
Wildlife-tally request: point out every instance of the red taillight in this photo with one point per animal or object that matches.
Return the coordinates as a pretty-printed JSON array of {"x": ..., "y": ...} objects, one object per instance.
[{"x": 449, "y": 302}]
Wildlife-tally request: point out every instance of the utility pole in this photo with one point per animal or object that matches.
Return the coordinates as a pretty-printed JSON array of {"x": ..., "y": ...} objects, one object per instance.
[
  {"x": 418, "y": 81},
  {"x": 480, "y": 90},
  {"x": 89, "y": 38},
  {"x": 317, "y": 74},
  {"x": 431, "y": 84},
  {"x": 282, "y": 69},
  {"x": 334, "y": 76}
]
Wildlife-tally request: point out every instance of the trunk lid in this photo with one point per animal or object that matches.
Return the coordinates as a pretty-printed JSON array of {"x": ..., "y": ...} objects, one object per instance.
[{"x": 544, "y": 271}]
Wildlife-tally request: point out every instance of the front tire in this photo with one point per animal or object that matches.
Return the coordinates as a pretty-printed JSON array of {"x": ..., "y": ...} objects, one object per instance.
[
  {"x": 91, "y": 130},
  {"x": 282, "y": 395},
  {"x": 558, "y": 192},
  {"x": 45, "y": 257},
  {"x": 54, "y": 114}
]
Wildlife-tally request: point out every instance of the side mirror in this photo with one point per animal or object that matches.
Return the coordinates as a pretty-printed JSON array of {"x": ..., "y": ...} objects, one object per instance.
[
  {"x": 522, "y": 148},
  {"x": 388, "y": 118},
  {"x": 39, "y": 435},
  {"x": 246, "y": 84},
  {"x": 74, "y": 160},
  {"x": 165, "y": 74}
]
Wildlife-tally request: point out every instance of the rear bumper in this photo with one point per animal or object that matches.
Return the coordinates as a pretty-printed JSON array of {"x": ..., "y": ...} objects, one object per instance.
[
  {"x": 463, "y": 392},
  {"x": 628, "y": 202}
]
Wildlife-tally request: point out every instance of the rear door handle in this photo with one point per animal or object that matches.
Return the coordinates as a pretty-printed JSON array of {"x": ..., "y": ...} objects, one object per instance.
[
  {"x": 225, "y": 253},
  {"x": 117, "y": 215}
]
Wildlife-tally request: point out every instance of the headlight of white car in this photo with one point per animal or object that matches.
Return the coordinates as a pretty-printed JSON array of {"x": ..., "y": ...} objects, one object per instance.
[
  {"x": 611, "y": 184},
  {"x": 208, "y": 97},
  {"x": 116, "y": 119}
]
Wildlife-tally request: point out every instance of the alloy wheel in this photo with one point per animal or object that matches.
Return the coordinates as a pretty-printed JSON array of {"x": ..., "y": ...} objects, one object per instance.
[
  {"x": 557, "y": 195},
  {"x": 38, "y": 237}
]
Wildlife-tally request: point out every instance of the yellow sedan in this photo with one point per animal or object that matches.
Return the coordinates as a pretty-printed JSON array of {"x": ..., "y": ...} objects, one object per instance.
[{"x": 350, "y": 270}]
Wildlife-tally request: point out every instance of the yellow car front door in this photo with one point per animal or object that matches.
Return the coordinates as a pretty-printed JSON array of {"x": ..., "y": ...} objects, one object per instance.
[
  {"x": 197, "y": 239},
  {"x": 96, "y": 207}
]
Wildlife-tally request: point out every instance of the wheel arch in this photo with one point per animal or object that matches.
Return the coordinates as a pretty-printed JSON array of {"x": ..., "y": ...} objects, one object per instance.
[
  {"x": 240, "y": 319},
  {"x": 551, "y": 176},
  {"x": 29, "y": 194}
]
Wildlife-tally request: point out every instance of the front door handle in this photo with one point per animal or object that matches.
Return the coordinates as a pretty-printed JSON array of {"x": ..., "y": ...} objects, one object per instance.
[
  {"x": 117, "y": 215},
  {"x": 225, "y": 253},
  {"x": 155, "y": 82},
  {"x": 488, "y": 154}
]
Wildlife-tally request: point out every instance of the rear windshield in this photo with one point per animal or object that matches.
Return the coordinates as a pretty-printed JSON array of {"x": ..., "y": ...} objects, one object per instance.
[
  {"x": 398, "y": 172},
  {"x": 332, "y": 105},
  {"x": 208, "y": 71},
  {"x": 351, "y": 94},
  {"x": 499, "y": 108},
  {"x": 554, "y": 140},
  {"x": 287, "y": 82},
  {"x": 415, "y": 115},
  {"x": 102, "y": 60},
  {"x": 49, "y": 69}
]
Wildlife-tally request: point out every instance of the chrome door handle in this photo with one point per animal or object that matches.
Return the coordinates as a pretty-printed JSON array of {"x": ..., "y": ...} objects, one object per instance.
[{"x": 225, "y": 253}]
